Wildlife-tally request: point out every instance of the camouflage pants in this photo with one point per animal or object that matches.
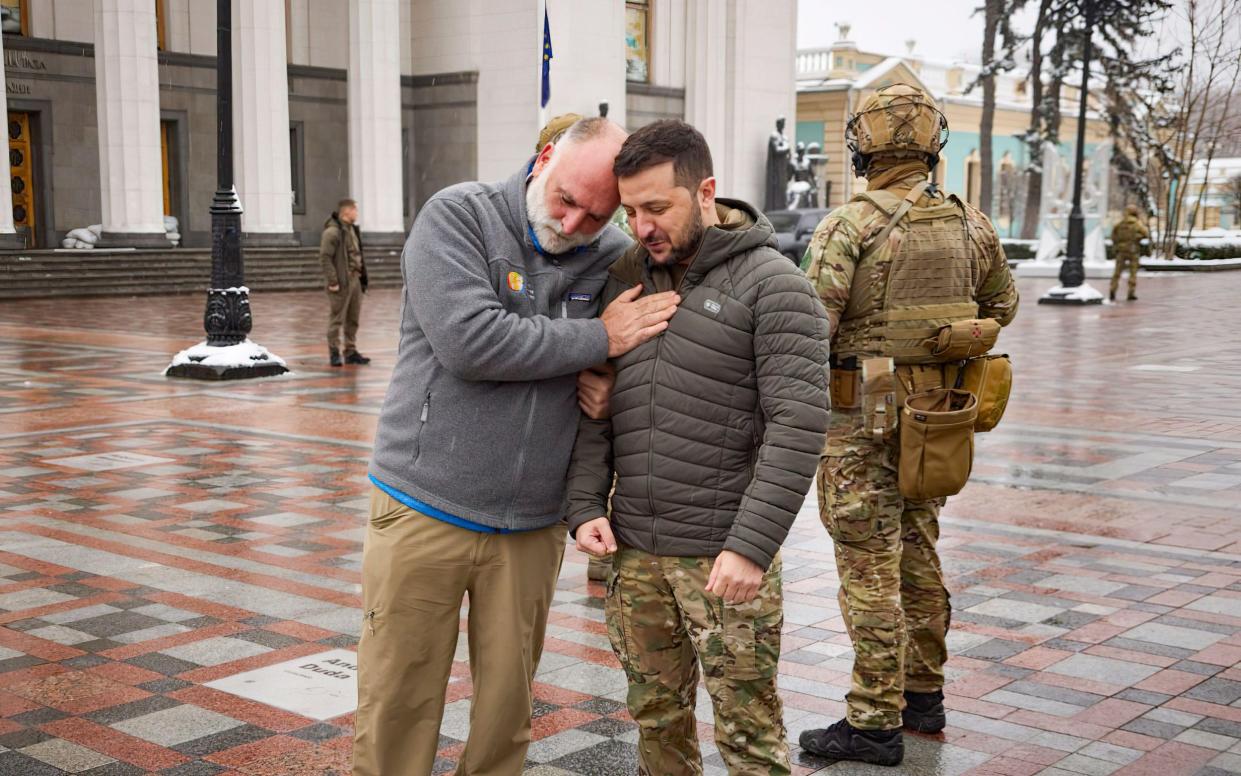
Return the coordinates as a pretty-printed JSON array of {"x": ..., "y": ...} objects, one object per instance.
[
  {"x": 892, "y": 593},
  {"x": 1126, "y": 260},
  {"x": 663, "y": 624}
]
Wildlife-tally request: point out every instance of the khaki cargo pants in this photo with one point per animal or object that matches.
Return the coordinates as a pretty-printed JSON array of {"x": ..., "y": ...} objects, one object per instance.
[
  {"x": 892, "y": 592},
  {"x": 662, "y": 624},
  {"x": 1126, "y": 259},
  {"x": 346, "y": 309},
  {"x": 415, "y": 572}
]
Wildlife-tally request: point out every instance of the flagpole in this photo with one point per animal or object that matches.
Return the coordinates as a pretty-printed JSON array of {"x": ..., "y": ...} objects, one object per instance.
[{"x": 542, "y": 4}]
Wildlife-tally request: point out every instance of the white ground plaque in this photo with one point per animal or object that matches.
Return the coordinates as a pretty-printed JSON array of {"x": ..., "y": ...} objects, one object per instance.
[
  {"x": 319, "y": 686},
  {"x": 102, "y": 462}
]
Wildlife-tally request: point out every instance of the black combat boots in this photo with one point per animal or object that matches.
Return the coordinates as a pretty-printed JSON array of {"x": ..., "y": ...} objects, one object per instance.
[
  {"x": 842, "y": 741},
  {"x": 356, "y": 358},
  {"x": 924, "y": 712},
  {"x": 334, "y": 357}
]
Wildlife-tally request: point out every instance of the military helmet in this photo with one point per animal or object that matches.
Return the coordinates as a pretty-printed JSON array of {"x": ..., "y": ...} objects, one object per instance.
[
  {"x": 897, "y": 120},
  {"x": 555, "y": 128}
]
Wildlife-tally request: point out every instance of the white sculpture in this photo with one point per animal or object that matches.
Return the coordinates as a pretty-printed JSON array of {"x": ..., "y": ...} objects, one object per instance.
[
  {"x": 1094, "y": 203},
  {"x": 1055, "y": 204}
]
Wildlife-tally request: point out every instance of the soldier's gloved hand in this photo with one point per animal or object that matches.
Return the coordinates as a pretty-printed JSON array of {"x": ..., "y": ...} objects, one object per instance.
[
  {"x": 595, "y": 538},
  {"x": 735, "y": 578}
]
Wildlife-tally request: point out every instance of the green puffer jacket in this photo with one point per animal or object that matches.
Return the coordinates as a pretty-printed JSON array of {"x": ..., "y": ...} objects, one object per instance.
[{"x": 717, "y": 424}]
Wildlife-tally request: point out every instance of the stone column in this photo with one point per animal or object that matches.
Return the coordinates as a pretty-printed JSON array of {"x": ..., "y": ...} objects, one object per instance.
[
  {"x": 375, "y": 120},
  {"x": 9, "y": 238},
  {"x": 261, "y": 123},
  {"x": 127, "y": 93},
  {"x": 739, "y": 76}
]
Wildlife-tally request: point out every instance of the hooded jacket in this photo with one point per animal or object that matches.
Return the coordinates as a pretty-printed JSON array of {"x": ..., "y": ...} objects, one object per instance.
[
  {"x": 334, "y": 252},
  {"x": 481, "y": 410},
  {"x": 717, "y": 424}
]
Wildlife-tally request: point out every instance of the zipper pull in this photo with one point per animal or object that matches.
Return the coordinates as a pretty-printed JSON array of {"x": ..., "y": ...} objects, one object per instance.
[
  {"x": 564, "y": 308},
  {"x": 426, "y": 409}
]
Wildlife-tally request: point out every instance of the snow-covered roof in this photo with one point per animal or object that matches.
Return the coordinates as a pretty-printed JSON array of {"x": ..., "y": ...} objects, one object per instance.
[{"x": 1222, "y": 169}]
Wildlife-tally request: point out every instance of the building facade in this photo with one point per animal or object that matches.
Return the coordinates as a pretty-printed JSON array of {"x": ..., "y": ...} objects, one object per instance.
[
  {"x": 111, "y": 103},
  {"x": 1213, "y": 195},
  {"x": 833, "y": 81}
]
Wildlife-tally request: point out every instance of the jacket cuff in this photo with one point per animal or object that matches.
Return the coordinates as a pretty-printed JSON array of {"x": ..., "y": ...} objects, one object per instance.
[
  {"x": 598, "y": 341},
  {"x": 749, "y": 551},
  {"x": 582, "y": 514}
]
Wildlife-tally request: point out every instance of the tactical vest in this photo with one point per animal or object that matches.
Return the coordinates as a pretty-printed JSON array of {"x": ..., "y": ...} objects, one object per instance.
[{"x": 929, "y": 282}]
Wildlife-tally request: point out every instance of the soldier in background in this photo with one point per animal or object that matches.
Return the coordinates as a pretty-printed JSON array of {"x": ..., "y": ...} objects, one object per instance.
[
  {"x": 344, "y": 274},
  {"x": 878, "y": 272},
  {"x": 1127, "y": 237}
]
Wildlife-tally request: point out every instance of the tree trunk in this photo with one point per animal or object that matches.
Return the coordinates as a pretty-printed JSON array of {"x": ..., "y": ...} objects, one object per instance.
[
  {"x": 1034, "y": 176},
  {"x": 991, "y": 23}
]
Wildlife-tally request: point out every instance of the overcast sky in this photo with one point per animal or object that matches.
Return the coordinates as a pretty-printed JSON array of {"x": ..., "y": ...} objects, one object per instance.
[{"x": 943, "y": 29}]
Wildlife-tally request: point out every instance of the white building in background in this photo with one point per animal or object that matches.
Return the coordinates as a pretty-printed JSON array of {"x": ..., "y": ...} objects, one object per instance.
[
  {"x": 386, "y": 101},
  {"x": 1220, "y": 207}
]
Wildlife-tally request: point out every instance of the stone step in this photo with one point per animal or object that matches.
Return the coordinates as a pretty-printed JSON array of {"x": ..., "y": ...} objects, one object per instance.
[{"x": 128, "y": 273}]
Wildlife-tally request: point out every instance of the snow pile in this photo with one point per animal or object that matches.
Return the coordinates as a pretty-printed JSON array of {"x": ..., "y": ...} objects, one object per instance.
[
  {"x": 243, "y": 354},
  {"x": 1083, "y": 294}
]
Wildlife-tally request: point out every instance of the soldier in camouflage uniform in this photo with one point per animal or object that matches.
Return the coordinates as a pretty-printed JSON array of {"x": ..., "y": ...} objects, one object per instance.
[
  {"x": 884, "y": 289},
  {"x": 1127, "y": 237}
]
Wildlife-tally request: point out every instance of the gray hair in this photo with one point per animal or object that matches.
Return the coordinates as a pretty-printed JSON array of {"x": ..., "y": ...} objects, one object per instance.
[{"x": 589, "y": 129}]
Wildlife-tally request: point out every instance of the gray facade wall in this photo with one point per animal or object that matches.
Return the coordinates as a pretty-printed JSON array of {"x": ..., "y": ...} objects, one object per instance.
[
  {"x": 645, "y": 103},
  {"x": 55, "y": 80}
]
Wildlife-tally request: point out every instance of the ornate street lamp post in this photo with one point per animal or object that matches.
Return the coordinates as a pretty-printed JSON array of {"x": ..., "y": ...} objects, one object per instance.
[
  {"x": 227, "y": 354},
  {"x": 1073, "y": 287}
]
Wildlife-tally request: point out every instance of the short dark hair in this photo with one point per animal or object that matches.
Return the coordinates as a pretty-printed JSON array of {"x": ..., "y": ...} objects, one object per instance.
[
  {"x": 667, "y": 140},
  {"x": 344, "y": 203}
]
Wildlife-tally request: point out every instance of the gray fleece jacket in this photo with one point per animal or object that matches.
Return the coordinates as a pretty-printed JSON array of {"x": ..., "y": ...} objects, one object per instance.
[{"x": 481, "y": 412}]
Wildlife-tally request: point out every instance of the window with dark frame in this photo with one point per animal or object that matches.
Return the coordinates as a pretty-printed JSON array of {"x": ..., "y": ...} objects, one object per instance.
[
  {"x": 15, "y": 17},
  {"x": 637, "y": 41},
  {"x": 297, "y": 166},
  {"x": 161, "y": 28},
  {"x": 405, "y": 169}
]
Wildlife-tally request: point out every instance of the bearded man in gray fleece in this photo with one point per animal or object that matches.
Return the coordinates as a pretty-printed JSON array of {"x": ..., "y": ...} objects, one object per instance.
[{"x": 500, "y": 316}]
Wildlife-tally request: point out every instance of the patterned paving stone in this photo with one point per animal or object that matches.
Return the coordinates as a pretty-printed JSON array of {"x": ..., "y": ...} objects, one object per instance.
[{"x": 1092, "y": 634}]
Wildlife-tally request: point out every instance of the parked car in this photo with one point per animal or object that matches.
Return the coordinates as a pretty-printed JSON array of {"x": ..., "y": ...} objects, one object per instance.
[{"x": 794, "y": 229}]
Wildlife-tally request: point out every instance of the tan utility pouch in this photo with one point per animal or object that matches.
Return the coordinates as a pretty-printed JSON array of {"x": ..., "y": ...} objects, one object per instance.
[
  {"x": 879, "y": 397},
  {"x": 937, "y": 443},
  {"x": 845, "y": 387},
  {"x": 963, "y": 339},
  {"x": 990, "y": 378}
]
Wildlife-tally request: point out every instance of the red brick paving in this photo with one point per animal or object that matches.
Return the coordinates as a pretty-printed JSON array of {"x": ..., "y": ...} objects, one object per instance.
[{"x": 1108, "y": 496}]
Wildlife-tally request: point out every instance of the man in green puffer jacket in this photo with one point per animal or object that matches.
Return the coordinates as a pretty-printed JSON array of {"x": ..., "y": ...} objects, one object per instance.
[{"x": 715, "y": 433}]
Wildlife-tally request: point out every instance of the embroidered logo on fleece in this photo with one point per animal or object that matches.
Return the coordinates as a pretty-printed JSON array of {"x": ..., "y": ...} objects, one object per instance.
[
  {"x": 516, "y": 282},
  {"x": 578, "y": 297}
]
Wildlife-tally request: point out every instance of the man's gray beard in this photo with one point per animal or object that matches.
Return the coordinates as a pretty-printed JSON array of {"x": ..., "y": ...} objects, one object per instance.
[{"x": 546, "y": 228}]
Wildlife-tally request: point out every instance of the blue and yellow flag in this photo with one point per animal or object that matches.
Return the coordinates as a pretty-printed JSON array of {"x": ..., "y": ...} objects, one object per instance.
[{"x": 547, "y": 61}]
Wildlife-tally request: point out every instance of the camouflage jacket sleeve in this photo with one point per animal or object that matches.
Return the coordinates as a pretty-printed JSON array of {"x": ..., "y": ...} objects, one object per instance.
[
  {"x": 997, "y": 293},
  {"x": 833, "y": 256}
]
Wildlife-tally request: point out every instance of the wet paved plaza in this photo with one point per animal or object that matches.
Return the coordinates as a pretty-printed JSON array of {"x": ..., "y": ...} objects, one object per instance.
[{"x": 159, "y": 540}]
